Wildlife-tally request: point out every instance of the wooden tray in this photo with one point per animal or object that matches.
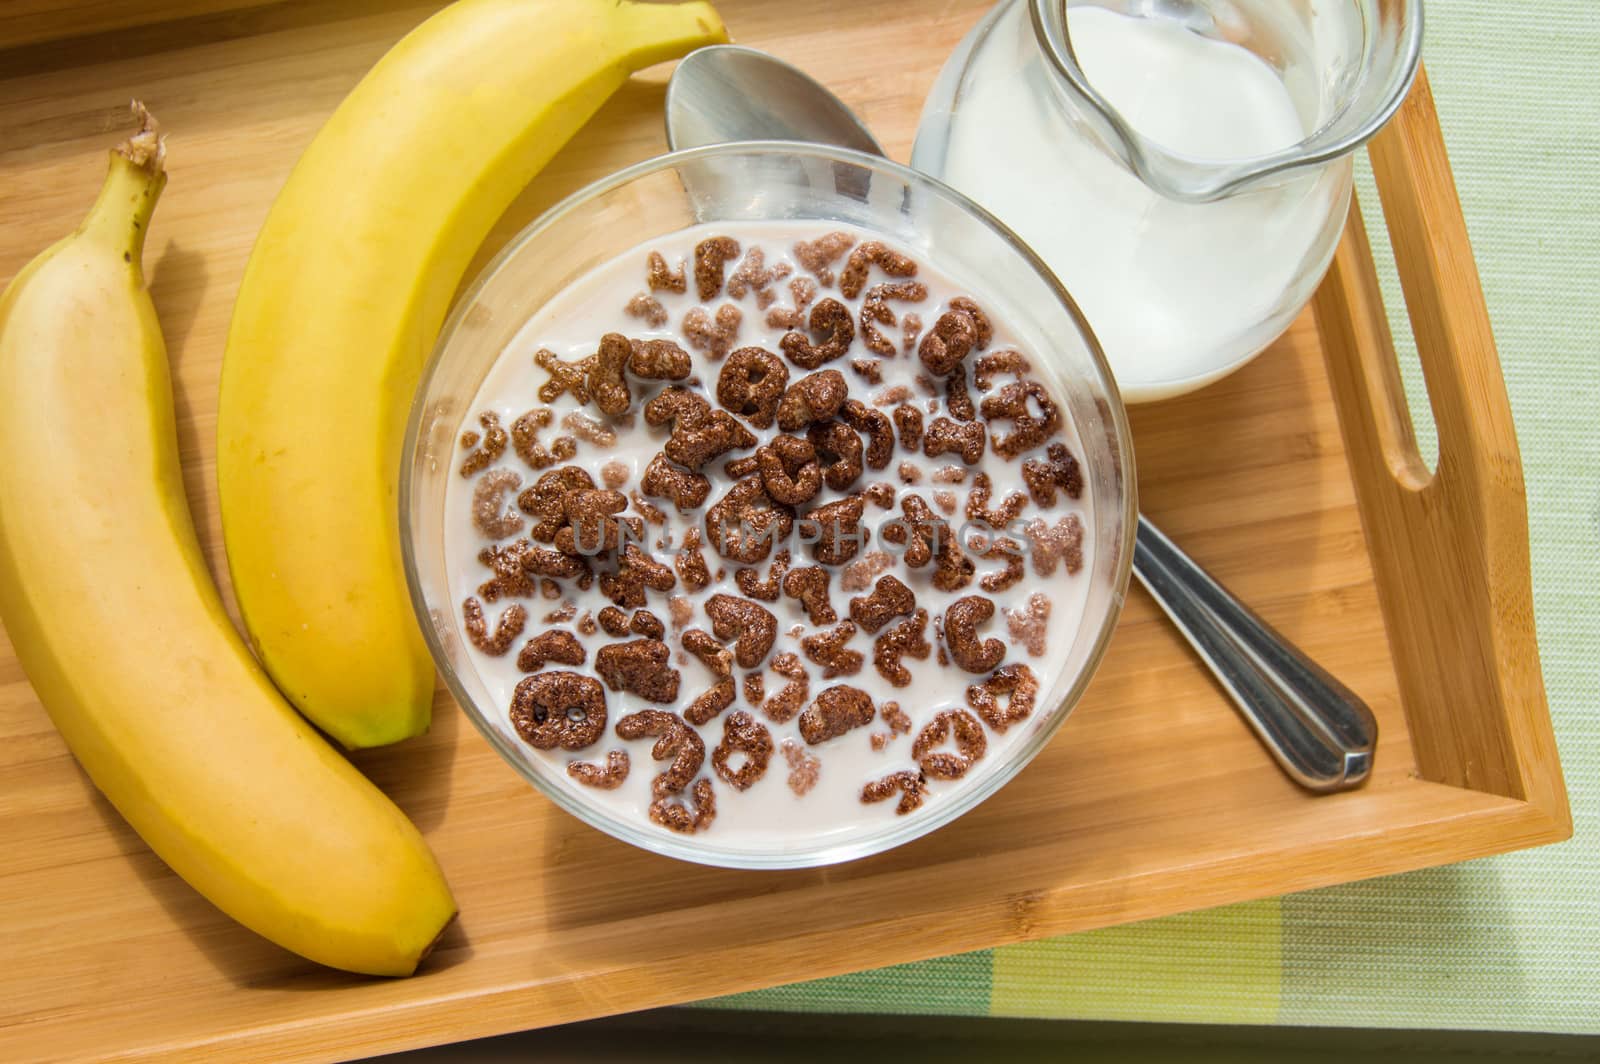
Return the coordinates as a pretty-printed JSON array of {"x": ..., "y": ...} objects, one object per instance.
[{"x": 1296, "y": 482}]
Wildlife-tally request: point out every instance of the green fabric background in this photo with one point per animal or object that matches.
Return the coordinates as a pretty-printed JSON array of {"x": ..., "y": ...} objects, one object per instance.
[{"x": 1506, "y": 943}]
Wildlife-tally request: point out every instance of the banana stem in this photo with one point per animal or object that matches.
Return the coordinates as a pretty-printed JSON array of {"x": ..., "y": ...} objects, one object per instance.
[{"x": 121, "y": 214}]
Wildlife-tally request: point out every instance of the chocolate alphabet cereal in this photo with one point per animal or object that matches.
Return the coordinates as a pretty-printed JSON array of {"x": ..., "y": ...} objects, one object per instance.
[{"x": 786, "y": 490}]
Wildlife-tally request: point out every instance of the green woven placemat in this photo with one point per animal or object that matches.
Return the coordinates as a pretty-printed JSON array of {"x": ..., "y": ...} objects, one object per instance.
[{"x": 1506, "y": 943}]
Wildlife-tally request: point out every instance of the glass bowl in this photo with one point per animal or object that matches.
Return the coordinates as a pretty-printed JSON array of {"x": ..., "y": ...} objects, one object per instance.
[{"x": 762, "y": 181}]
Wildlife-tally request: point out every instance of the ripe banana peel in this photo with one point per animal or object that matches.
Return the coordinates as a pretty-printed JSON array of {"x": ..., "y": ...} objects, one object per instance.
[
  {"x": 341, "y": 302},
  {"x": 107, "y": 599}
]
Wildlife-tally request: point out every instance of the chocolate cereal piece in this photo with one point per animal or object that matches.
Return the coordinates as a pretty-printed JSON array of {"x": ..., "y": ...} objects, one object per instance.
[
  {"x": 553, "y": 564},
  {"x": 895, "y": 718},
  {"x": 750, "y": 582},
  {"x": 739, "y": 468},
  {"x": 565, "y": 378},
  {"x": 680, "y": 608},
  {"x": 1007, "y": 550},
  {"x": 711, "y": 257},
  {"x": 875, "y": 311},
  {"x": 1016, "y": 684},
  {"x": 686, "y": 490},
  {"x": 839, "y": 453},
  {"x": 809, "y": 585},
  {"x": 661, "y": 279},
  {"x": 788, "y": 701},
  {"x": 890, "y": 599},
  {"x": 636, "y": 572},
  {"x": 709, "y": 439},
  {"x": 557, "y": 645},
  {"x": 840, "y": 533},
  {"x": 755, "y": 688},
  {"x": 709, "y": 652},
  {"x": 746, "y": 524},
  {"x": 1060, "y": 543},
  {"x": 980, "y": 321},
  {"x": 648, "y": 510},
  {"x": 545, "y": 502},
  {"x": 970, "y": 744},
  {"x": 705, "y": 707},
  {"x": 950, "y": 340},
  {"x": 614, "y": 475},
  {"x": 992, "y": 365},
  {"x": 678, "y": 406},
  {"x": 908, "y": 638},
  {"x": 911, "y": 329},
  {"x": 613, "y": 622},
  {"x": 908, "y": 422},
  {"x": 617, "y": 623},
  {"x": 565, "y": 709},
  {"x": 606, "y": 777},
  {"x": 674, "y": 741},
  {"x": 591, "y": 526},
  {"x": 1016, "y": 402},
  {"x": 1028, "y": 623},
  {"x": 673, "y": 815},
  {"x": 525, "y": 440},
  {"x": 742, "y": 733},
  {"x": 491, "y": 445},
  {"x": 835, "y": 710},
  {"x": 978, "y": 508},
  {"x": 489, "y": 515},
  {"x": 605, "y": 375},
  {"x": 658, "y": 360},
  {"x": 853, "y": 278},
  {"x": 715, "y": 336},
  {"x": 753, "y": 626},
  {"x": 803, "y": 290},
  {"x": 814, "y": 397},
  {"x": 754, "y": 275},
  {"x": 1058, "y": 469},
  {"x": 829, "y": 650},
  {"x": 961, "y": 621},
  {"x": 964, "y": 439},
  {"x": 648, "y": 307},
  {"x": 639, "y": 667},
  {"x": 859, "y": 574},
  {"x": 881, "y": 494},
  {"x": 830, "y": 321},
  {"x": 510, "y": 579},
  {"x": 910, "y": 786},
  {"x": 868, "y": 369},
  {"x": 751, "y": 384},
  {"x": 789, "y": 470},
  {"x": 819, "y": 255},
  {"x": 589, "y": 429},
  {"x": 880, "y": 433},
  {"x": 506, "y": 629},
  {"x": 957, "y": 399},
  {"x": 804, "y": 769}
]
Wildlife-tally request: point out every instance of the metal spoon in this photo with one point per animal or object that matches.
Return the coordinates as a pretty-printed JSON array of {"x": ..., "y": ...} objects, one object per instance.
[{"x": 1320, "y": 733}]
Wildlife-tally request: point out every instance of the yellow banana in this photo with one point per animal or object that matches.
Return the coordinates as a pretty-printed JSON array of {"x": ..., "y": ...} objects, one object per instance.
[
  {"x": 343, "y": 297},
  {"x": 107, "y": 599}
]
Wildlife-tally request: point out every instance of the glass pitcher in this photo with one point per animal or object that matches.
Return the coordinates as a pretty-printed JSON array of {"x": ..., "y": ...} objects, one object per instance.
[{"x": 1183, "y": 165}]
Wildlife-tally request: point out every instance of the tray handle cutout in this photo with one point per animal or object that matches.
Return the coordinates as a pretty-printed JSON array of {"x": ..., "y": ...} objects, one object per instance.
[{"x": 1449, "y": 548}]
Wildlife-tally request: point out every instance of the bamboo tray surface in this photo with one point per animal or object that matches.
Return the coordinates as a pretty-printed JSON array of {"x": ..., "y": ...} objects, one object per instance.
[{"x": 1295, "y": 482}]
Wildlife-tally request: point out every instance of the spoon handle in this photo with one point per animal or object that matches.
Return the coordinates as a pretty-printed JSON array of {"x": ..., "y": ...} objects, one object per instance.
[{"x": 1316, "y": 728}]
